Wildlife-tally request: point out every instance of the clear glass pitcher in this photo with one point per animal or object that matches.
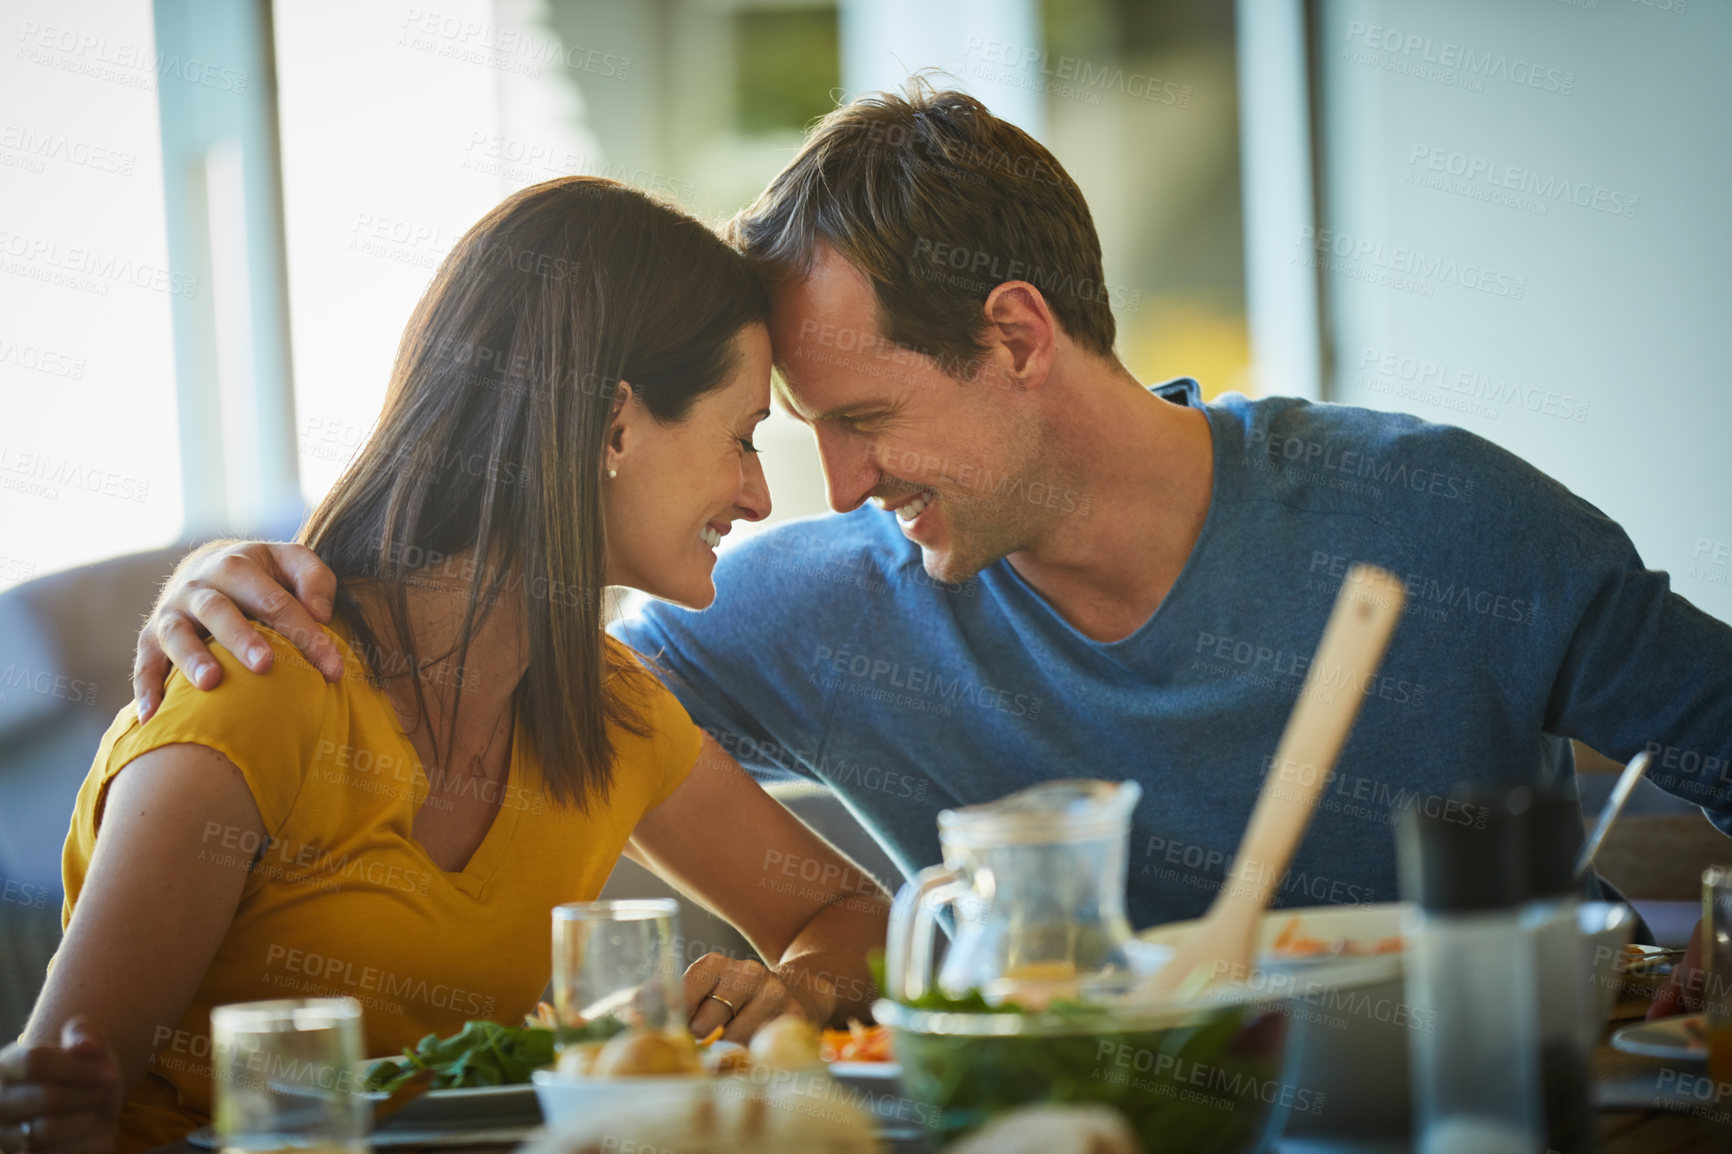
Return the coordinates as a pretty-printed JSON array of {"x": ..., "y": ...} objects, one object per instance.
[{"x": 1036, "y": 881}]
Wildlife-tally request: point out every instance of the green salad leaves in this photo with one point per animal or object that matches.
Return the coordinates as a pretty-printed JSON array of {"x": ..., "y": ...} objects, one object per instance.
[
  {"x": 480, "y": 1054},
  {"x": 1206, "y": 1087},
  {"x": 483, "y": 1054}
]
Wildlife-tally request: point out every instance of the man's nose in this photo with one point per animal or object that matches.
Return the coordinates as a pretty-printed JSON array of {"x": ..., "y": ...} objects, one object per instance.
[{"x": 849, "y": 471}]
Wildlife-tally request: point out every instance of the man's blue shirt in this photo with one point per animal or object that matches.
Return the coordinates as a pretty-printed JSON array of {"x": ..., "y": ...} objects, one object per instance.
[{"x": 829, "y": 653}]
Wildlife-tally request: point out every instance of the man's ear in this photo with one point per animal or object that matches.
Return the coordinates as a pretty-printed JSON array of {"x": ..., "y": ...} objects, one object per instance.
[
  {"x": 1023, "y": 327},
  {"x": 621, "y": 436}
]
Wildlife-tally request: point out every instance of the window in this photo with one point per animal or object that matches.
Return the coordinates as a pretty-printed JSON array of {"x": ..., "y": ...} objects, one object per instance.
[{"x": 89, "y": 443}]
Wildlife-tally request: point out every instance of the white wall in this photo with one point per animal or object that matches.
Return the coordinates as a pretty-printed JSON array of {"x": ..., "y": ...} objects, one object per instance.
[{"x": 1600, "y": 352}]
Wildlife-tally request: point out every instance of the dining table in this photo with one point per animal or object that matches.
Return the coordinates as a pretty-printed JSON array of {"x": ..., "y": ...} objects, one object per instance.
[{"x": 1643, "y": 1105}]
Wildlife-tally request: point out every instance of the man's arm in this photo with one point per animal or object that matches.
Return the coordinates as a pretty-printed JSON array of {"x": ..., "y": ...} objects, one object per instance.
[
  {"x": 743, "y": 668},
  {"x": 1645, "y": 669},
  {"x": 673, "y": 641},
  {"x": 211, "y": 594}
]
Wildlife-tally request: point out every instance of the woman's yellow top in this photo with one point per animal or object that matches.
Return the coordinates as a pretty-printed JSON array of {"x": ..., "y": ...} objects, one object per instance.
[{"x": 340, "y": 899}]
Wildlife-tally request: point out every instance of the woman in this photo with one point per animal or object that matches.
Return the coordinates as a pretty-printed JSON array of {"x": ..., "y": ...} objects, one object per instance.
[{"x": 571, "y": 407}]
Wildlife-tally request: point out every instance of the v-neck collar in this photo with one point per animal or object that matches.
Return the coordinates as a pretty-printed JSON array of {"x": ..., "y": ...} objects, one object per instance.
[
  {"x": 472, "y": 879},
  {"x": 1182, "y": 390},
  {"x": 478, "y": 871}
]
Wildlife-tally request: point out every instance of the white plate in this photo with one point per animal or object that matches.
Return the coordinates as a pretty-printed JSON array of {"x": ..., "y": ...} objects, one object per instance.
[
  {"x": 1639, "y": 960},
  {"x": 866, "y": 1071},
  {"x": 465, "y": 1106},
  {"x": 1605, "y": 925},
  {"x": 470, "y": 1115},
  {"x": 876, "y": 1087},
  {"x": 1669, "y": 1038},
  {"x": 468, "y": 1093},
  {"x": 504, "y": 1137},
  {"x": 565, "y": 1096},
  {"x": 1364, "y": 926}
]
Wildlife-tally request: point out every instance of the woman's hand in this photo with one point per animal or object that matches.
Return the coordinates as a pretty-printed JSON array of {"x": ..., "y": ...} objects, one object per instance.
[
  {"x": 212, "y": 593},
  {"x": 741, "y": 995},
  {"x": 1682, "y": 992},
  {"x": 60, "y": 1098}
]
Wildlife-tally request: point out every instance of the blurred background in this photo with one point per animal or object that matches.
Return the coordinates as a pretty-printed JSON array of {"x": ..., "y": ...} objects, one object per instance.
[{"x": 215, "y": 218}]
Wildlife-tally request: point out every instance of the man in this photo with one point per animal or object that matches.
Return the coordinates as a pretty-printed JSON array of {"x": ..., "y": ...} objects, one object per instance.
[{"x": 1068, "y": 575}]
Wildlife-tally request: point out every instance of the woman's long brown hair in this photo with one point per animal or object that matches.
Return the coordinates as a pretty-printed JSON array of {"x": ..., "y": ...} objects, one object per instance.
[{"x": 492, "y": 440}]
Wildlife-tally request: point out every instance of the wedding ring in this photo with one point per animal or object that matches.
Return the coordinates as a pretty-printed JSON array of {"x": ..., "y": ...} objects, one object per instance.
[{"x": 732, "y": 1009}]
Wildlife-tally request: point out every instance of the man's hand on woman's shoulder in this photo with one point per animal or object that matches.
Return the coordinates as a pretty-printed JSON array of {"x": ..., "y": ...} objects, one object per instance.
[{"x": 213, "y": 593}]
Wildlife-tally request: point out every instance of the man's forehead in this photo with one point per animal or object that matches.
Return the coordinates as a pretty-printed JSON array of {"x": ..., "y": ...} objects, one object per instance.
[
  {"x": 821, "y": 311},
  {"x": 827, "y": 344},
  {"x": 812, "y": 393},
  {"x": 833, "y": 276}
]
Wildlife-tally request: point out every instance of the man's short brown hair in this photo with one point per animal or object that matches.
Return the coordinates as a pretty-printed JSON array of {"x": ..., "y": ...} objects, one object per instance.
[{"x": 937, "y": 201}]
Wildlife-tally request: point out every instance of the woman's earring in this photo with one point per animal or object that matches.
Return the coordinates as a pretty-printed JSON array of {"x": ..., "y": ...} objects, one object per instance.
[{"x": 612, "y": 473}]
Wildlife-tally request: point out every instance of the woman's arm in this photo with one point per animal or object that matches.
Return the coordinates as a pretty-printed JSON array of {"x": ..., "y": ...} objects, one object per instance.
[
  {"x": 149, "y": 919},
  {"x": 724, "y": 841}
]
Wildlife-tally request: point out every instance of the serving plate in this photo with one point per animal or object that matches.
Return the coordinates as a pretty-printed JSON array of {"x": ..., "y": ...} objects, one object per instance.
[
  {"x": 388, "y": 1138},
  {"x": 1352, "y": 1020},
  {"x": 465, "y": 1116},
  {"x": 469, "y": 1106},
  {"x": 1679, "y": 1039},
  {"x": 466, "y": 1107},
  {"x": 865, "y": 1071},
  {"x": 1639, "y": 960}
]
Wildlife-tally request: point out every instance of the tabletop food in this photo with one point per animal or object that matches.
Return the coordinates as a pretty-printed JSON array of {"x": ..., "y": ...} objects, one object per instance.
[
  {"x": 1029, "y": 1005},
  {"x": 489, "y": 1054},
  {"x": 1052, "y": 1130},
  {"x": 788, "y": 1042},
  {"x": 858, "y": 1043},
  {"x": 1202, "y": 1078},
  {"x": 1294, "y": 942},
  {"x": 635, "y": 1054},
  {"x": 799, "y": 1116},
  {"x": 788, "y": 1105},
  {"x": 480, "y": 1054}
]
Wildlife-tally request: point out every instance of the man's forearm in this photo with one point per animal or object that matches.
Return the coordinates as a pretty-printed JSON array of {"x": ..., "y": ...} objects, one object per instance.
[{"x": 826, "y": 965}]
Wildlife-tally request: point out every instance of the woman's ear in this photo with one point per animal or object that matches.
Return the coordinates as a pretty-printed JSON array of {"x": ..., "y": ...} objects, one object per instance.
[{"x": 620, "y": 435}]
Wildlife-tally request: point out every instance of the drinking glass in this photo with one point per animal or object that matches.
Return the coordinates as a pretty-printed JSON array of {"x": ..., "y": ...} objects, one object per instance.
[
  {"x": 1717, "y": 969},
  {"x": 616, "y": 966},
  {"x": 285, "y": 1077}
]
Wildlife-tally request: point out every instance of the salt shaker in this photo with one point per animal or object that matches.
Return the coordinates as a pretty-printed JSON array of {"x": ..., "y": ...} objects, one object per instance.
[
  {"x": 1566, "y": 1002},
  {"x": 1470, "y": 977}
]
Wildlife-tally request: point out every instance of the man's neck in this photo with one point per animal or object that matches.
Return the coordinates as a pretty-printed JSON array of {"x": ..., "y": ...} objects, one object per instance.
[{"x": 1146, "y": 469}]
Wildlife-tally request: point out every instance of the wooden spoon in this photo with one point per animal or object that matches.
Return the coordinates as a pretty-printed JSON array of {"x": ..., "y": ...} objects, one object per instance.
[{"x": 1366, "y": 611}]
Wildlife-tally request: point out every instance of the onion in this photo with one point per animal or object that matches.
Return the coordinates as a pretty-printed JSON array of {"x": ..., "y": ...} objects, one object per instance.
[
  {"x": 641, "y": 1053},
  {"x": 789, "y": 1042}
]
